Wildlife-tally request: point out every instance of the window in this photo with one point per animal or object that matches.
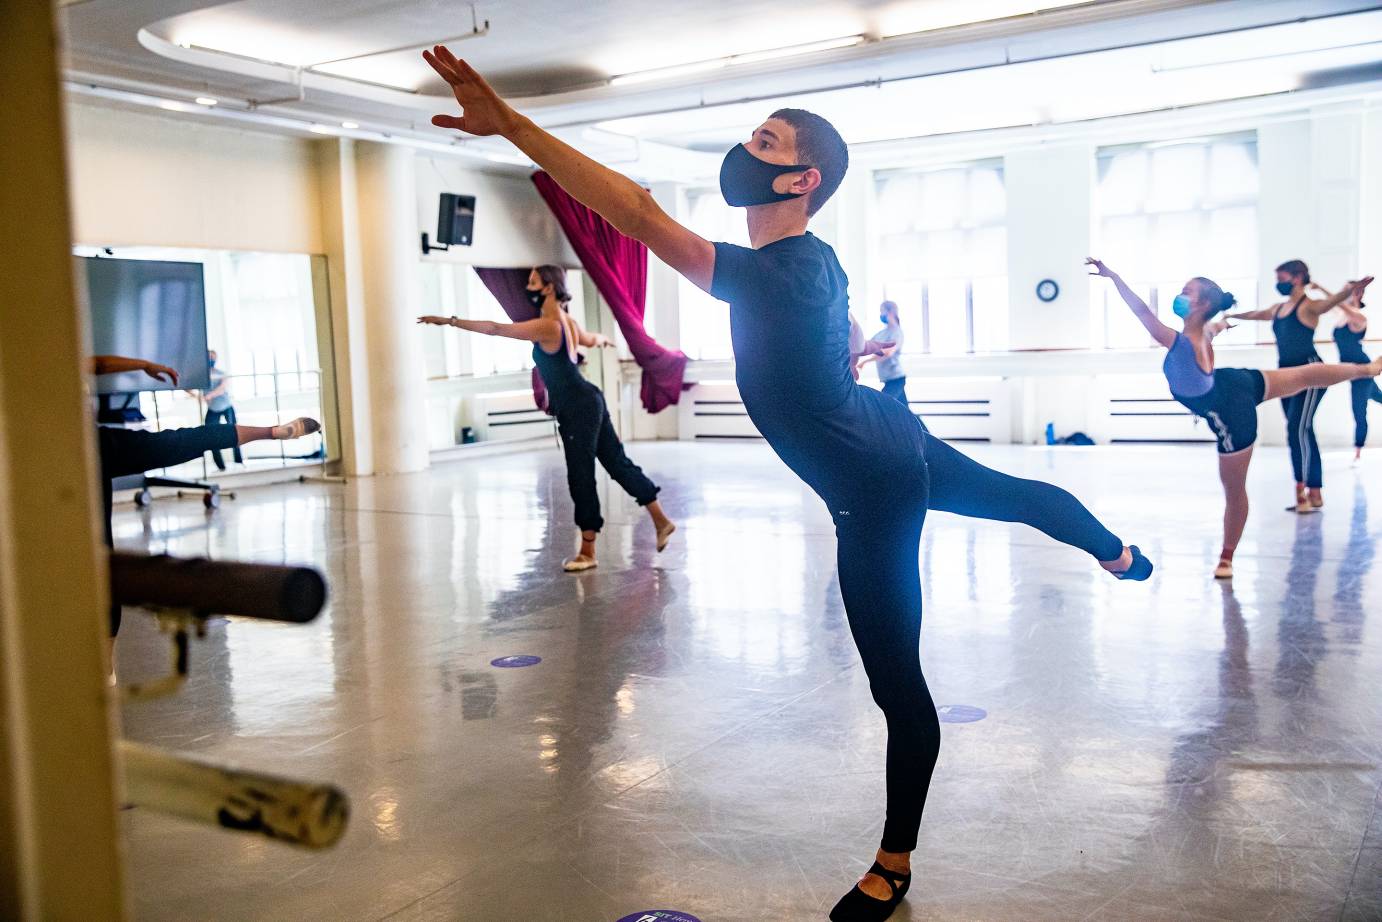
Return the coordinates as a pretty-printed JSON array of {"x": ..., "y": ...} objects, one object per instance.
[
  {"x": 1170, "y": 211},
  {"x": 942, "y": 239},
  {"x": 704, "y": 320}
]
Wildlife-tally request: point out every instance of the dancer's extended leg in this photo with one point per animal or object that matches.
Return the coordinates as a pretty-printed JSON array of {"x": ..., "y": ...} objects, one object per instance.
[{"x": 961, "y": 485}]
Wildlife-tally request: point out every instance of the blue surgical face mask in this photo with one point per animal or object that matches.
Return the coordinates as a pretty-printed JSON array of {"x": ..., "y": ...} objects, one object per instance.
[
  {"x": 1181, "y": 306},
  {"x": 883, "y": 317}
]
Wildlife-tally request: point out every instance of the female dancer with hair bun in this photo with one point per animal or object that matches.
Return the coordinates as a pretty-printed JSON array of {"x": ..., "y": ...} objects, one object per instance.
[
  {"x": 1348, "y": 336},
  {"x": 587, "y": 433},
  {"x": 1226, "y": 398},
  {"x": 1294, "y": 322}
]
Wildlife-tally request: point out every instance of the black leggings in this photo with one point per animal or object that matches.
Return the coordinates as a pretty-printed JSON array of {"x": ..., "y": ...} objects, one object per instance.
[
  {"x": 1300, "y": 436},
  {"x": 134, "y": 451},
  {"x": 1364, "y": 390},
  {"x": 879, "y": 541},
  {"x": 227, "y": 417},
  {"x": 588, "y": 435}
]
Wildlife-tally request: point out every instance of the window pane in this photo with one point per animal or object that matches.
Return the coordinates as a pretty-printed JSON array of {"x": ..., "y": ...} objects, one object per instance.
[
  {"x": 949, "y": 316},
  {"x": 1178, "y": 175},
  {"x": 1122, "y": 328},
  {"x": 943, "y": 202},
  {"x": 1123, "y": 184},
  {"x": 1233, "y": 172},
  {"x": 991, "y": 314},
  {"x": 704, "y": 320},
  {"x": 907, "y": 296}
]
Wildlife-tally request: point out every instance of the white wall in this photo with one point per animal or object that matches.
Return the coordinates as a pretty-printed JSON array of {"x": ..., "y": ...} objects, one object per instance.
[
  {"x": 153, "y": 180},
  {"x": 513, "y": 225}
]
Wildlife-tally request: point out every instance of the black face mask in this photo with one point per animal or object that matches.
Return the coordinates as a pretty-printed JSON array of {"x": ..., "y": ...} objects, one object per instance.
[
  {"x": 535, "y": 298},
  {"x": 1284, "y": 288},
  {"x": 745, "y": 180}
]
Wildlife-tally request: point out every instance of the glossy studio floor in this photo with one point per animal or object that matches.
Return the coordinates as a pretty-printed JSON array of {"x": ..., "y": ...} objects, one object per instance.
[{"x": 699, "y": 736}]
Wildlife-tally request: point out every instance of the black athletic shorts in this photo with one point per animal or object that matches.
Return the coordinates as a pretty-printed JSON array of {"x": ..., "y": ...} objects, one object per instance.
[{"x": 1230, "y": 407}]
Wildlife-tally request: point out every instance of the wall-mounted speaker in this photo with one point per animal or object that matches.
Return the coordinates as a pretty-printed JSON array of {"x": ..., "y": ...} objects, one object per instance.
[{"x": 456, "y": 219}]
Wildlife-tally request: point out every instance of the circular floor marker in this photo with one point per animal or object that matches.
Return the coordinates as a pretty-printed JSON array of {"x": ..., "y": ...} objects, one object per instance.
[
  {"x": 960, "y": 713},
  {"x": 514, "y": 662},
  {"x": 660, "y": 915}
]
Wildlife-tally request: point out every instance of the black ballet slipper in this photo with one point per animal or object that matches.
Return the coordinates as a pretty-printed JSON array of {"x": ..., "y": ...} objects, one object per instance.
[
  {"x": 858, "y": 906},
  {"x": 1139, "y": 569}
]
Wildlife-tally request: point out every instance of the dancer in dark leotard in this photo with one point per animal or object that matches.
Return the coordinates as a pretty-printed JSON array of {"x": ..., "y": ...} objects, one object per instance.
[
  {"x": 1348, "y": 336},
  {"x": 862, "y": 452},
  {"x": 1226, "y": 398},
  {"x": 1294, "y": 322},
  {"x": 587, "y": 433}
]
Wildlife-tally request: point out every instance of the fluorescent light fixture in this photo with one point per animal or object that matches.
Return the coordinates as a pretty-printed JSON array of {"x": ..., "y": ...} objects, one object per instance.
[
  {"x": 947, "y": 14},
  {"x": 319, "y": 129},
  {"x": 206, "y": 101},
  {"x": 172, "y": 106},
  {"x": 350, "y": 126},
  {"x": 749, "y": 57}
]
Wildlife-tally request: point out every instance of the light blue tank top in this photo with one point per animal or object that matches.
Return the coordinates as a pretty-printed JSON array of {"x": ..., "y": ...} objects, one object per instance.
[{"x": 1183, "y": 371}]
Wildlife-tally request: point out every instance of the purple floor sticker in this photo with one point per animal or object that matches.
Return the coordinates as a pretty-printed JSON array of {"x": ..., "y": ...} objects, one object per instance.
[
  {"x": 660, "y": 915},
  {"x": 960, "y": 713},
  {"x": 514, "y": 662}
]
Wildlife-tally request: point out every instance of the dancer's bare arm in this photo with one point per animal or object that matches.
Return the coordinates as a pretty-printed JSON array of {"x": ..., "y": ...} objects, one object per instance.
[
  {"x": 620, "y": 200},
  {"x": 532, "y": 331},
  {"x": 1160, "y": 331},
  {"x": 114, "y": 364}
]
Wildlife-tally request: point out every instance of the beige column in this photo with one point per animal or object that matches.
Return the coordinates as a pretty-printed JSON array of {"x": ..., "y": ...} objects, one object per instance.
[
  {"x": 389, "y": 243},
  {"x": 59, "y": 836}
]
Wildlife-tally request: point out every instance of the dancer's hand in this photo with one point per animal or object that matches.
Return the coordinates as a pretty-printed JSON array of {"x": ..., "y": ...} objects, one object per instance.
[
  {"x": 157, "y": 372},
  {"x": 603, "y": 342},
  {"x": 1098, "y": 267},
  {"x": 483, "y": 113},
  {"x": 1356, "y": 287},
  {"x": 435, "y": 321}
]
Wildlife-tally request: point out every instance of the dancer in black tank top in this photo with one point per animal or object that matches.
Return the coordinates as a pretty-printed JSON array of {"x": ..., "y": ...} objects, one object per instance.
[
  {"x": 587, "y": 433},
  {"x": 1294, "y": 323},
  {"x": 1348, "y": 336}
]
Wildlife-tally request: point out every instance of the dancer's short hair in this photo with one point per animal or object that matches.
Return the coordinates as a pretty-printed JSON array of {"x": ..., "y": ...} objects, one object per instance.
[
  {"x": 556, "y": 277},
  {"x": 1295, "y": 267},
  {"x": 1219, "y": 300},
  {"x": 818, "y": 145}
]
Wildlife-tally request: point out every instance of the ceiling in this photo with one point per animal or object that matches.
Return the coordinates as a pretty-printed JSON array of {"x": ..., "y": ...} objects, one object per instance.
[{"x": 897, "y": 68}]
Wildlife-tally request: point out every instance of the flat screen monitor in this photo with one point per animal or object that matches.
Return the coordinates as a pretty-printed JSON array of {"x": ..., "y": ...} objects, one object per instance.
[{"x": 148, "y": 309}]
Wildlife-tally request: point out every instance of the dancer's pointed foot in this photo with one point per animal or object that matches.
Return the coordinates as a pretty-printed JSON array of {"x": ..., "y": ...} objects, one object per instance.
[
  {"x": 303, "y": 425},
  {"x": 1316, "y": 499},
  {"x": 1225, "y": 568},
  {"x": 1132, "y": 564},
  {"x": 664, "y": 534}
]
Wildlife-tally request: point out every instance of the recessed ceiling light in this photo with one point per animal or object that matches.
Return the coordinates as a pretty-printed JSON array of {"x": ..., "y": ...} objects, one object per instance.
[
  {"x": 749, "y": 57},
  {"x": 206, "y": 101},
  {"x": 349, "y": 126}
]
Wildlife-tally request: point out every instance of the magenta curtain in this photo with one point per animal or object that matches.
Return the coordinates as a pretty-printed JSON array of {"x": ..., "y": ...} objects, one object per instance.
[
  {"x": 618, "y": 266},
  {"x": 508, "y": 286}
]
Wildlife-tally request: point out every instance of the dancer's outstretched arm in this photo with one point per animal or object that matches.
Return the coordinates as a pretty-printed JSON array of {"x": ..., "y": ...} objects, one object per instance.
[
  {"x": 114, "y": 364},
  {"x": 527, "y": 330},
  {"x": 1320, "y": 308},
  {"x": 618, "y": 199},
  {"x": 1160, "y": 331}
]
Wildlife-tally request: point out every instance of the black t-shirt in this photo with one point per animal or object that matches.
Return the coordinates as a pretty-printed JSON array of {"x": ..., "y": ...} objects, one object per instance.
[{"x": 789, "y": 321}]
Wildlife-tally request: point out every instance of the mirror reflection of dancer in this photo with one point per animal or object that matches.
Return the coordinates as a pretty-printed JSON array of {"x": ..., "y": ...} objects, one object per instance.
[
  {"x": 219, "y": 409},
  {"x": 1226, "y": 398},
  {"x": 1294, "y": 322},
  {"x": 863, "y": 453},
  {"x": 133, "y": 451},
  {"x": 587, "y": 433},
  {"x": 1348, "y": 336}
]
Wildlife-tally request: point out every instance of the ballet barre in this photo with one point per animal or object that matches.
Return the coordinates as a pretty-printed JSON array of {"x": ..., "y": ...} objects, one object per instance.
[{"x": 183, "y": 593}]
